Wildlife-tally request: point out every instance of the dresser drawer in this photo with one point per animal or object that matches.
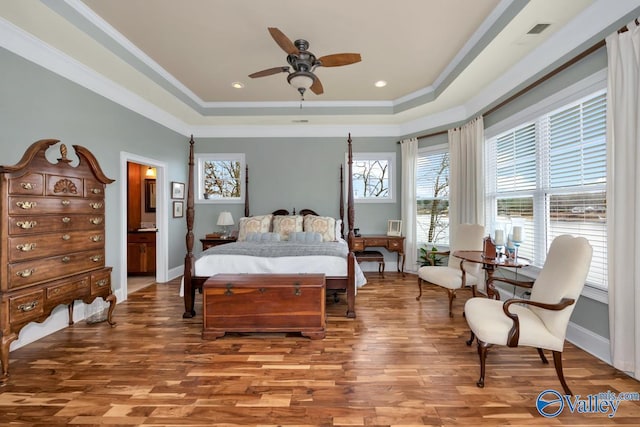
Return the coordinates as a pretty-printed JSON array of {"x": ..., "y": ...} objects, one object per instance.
[
  {"x": 37, "y": 271},
  {"x": 31, "y": 184},
  {"x": 45, "y": 245},
  {"x": 26, "y": 307},
  {"x": 101, "y": 282},
  {"x": 25, "y": 205},
  {"x": 358, "y": 245},
  {"x": 93, "y": 189},
  {"x": 377, "y": 242},
  {"x": 142, "y": 238},
  {"x": 64, "y": 186},
  {"x": 63, "y": 292},
  {"x": 395, "y": 245},
  {"x": 29, "y": 224}
]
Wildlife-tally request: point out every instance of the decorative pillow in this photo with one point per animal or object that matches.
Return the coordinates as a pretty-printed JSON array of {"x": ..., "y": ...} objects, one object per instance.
[
  {"x": 284, "y": 225},
  {"x": 324, "y": 225},
  {"x": 255, "y": 224},
  {"x": 262, "y": 237},
  {"x": 305, "y": 237}
]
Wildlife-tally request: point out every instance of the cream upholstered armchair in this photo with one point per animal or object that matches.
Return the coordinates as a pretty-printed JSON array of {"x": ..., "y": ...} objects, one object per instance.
[
  {"x": 542, "y": 320},
  {"x": 457, "y": 274}
]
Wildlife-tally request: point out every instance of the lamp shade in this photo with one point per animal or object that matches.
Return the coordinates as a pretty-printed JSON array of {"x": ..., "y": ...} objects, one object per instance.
[
  {"x": 225, "y": 218},
  {"x": 301, "y": 79}
]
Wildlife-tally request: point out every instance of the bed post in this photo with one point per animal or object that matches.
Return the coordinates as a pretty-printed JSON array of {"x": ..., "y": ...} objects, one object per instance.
[
  {"x": 351, "y": 258},
  {"x": 341, "y": 202},
  {"x": 246, "y": 191},
  {"x": 189, "y": 290}
]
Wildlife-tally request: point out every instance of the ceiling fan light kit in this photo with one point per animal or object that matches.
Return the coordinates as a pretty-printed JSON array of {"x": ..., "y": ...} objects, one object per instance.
[{"x": 304, "y": 63}]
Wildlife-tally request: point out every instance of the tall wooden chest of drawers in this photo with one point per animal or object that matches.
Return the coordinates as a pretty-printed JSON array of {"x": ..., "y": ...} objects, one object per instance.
[{"x": 52, "y": 236}]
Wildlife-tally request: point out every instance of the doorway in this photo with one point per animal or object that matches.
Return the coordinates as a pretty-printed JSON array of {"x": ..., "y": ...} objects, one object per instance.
[{"x": 144, "y": 223}]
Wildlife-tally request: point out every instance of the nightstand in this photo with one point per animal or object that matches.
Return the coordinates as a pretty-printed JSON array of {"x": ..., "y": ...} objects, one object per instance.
[{"x": 215, "y": 241}]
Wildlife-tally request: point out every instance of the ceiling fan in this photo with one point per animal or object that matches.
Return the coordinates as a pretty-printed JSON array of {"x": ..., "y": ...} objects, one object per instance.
[{"x": 304, "y": 63}]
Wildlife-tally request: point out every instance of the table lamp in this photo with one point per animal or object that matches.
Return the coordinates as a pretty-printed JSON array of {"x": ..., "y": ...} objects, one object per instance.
[{"x": 225, "y": 220}]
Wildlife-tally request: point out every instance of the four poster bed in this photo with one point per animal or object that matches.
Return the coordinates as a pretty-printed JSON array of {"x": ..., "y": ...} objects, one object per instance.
[{"x": 331, "y": 256}]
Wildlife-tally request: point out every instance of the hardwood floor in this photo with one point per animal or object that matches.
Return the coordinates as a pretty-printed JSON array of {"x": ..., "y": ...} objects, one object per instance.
[{"x": 400, "y": 362}]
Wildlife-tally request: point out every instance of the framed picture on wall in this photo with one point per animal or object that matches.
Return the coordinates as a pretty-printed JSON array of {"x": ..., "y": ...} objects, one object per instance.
[
  {"x": 177, "y": 190},
  {"x": 178, "y": 209}
]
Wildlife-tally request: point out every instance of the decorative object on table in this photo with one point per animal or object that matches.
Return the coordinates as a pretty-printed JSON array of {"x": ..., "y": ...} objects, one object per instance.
[
  {"x": 517, "y": 237},
  {"x": 178, "y": 209},
  {"x": 394, "y": 227},
  {"x": 488, "y": 248},
  {"x": 225, "y": 220},
  {"x": 177, "y": 190},
  {"x": 498, "y": 240},
  {"x": 356, "y": 232}
]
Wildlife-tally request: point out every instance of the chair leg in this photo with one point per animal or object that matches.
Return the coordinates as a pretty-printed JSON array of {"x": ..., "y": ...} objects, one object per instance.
[
  {"x": 420, "y": 288},
  {"x": 542, "y": 356},
  {"x": 482, "y": 353},
  {"x": 452, "y": 295},
  {"x": 557, "y": 361},
  {"x": 471, "y": 338}
]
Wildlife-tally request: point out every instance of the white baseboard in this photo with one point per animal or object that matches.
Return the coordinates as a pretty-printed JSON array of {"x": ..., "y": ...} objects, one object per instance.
[{"x": 589, "y": 341}]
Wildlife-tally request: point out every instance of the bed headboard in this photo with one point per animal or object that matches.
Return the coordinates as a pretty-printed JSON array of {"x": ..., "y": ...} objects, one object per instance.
[{"x": 302, "y": 212}]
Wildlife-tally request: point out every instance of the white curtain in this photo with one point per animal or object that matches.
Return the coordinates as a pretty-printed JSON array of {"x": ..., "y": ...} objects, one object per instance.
[
  {"x": 623, "y": 198},
  {"x": 409, "y": 148},
  {"x": 466, "y": 180}
]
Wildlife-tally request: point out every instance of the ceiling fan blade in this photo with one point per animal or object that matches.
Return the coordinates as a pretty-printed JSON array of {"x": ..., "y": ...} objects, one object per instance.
[
  {"x": 283, "y": 41},
  {"x": 338, "y": 59},
  {"x": 269, "y": 72},
  {"x": 316, "y": 87}
]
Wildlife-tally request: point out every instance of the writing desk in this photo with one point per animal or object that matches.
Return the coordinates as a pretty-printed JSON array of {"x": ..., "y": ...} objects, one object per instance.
[{"x": 390, "y": 243}]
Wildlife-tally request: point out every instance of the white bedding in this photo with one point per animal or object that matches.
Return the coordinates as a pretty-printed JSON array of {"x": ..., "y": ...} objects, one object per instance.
[{"x": 232, "y": 264}]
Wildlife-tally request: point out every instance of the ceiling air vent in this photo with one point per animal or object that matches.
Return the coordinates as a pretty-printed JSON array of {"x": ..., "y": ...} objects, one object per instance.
[{"x": 538, "y": 28}]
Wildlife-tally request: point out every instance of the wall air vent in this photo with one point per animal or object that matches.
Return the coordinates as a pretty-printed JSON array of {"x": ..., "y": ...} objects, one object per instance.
[{"x": 538, "y": 28}]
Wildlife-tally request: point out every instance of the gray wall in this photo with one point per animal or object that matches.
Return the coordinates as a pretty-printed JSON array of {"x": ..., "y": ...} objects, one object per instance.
[
  {"x": 37, "y": 104},
  {"x": 298, "y": 173}
]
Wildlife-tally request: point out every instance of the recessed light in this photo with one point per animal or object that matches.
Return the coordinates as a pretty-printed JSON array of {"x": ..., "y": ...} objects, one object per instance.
[
  {"x": 380, "y": 83},
  {"x": 237, "y": 85}
]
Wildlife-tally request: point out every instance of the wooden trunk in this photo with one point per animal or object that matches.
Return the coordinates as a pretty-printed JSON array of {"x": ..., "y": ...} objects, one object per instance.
[{"x": 264, "y": 303}]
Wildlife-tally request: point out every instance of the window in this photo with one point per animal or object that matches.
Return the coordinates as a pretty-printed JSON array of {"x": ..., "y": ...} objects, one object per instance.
[
  {"x": 372, "y": 175},
  {"x": 432, "y": 188},
  {"x": 220, "y": 178},
  {"x": 549, "y": 176}
]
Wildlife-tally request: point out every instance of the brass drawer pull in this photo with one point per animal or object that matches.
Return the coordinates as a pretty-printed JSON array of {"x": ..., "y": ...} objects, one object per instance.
[
  {"x": 26, "y": 273},
  {"x": 65, "y": 202},
  {"x": 96, "y": 238},
  {"x": 66, "y": 237},
  {"x": 96, "y": 221},
  {"x": 26, "y": 205},
  {"x": 56, "y": 291},
  {"x": 66, "y": 259},
  {"x": 96, "y": 190},
  {"x": 28, "y": 306},
  {"x": 27, "y": 247},
  {"x": 66, "y": 220},
  {"x": 296, "y": 289},
  {"x": 27, "y": 185},
  {"x": 96, "y": 258},
  {"x": 102, "y": 282},
  {"x": 25, "y": 225},
  {"x": 96, "y": 205}
]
